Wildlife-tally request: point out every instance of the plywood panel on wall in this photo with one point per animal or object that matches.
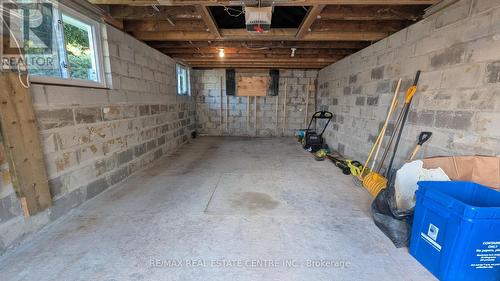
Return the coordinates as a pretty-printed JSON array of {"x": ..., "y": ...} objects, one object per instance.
[
  {"x": 23, "y": 149},
  {"x": 253, "y": 86}
]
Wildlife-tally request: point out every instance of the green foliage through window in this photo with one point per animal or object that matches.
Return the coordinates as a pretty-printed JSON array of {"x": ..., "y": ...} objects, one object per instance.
[{"x": 79, "y": 52}]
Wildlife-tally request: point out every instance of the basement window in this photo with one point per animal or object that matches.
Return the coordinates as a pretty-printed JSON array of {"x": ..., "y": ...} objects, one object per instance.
[
  {"x": 75, "y": 50},
  {"x": 183, "y": 84}
]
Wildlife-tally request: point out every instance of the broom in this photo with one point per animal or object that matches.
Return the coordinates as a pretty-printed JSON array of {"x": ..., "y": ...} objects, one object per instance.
[{"x": 378, "y": 141}]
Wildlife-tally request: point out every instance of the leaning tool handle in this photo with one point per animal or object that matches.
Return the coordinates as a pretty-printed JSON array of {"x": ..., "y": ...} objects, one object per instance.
[
  {"x": 393, "y": 106},
  {"x": 413, "y": 89},
  {"x": 424, "y": 137},
  {"x": 409, "y": 96}
]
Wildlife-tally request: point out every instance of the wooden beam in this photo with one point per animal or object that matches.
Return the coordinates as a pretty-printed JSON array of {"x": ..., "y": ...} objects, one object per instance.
[
  {"x": 273, "y": 34},
  {"x": 125, "y": 2},
  {"x": 260, "y": 66},
  {"x": 309, "y": 19},
  {"x": 21, "y": 139},
  {"x": 258, "y": 45},
  {"x": 245, "y": 51},
  {"x": 256, "y": 57},
  {"x": 307, "y": 61},
  {"x": 208, "y": 19},
  {"x": 113, "y": 22},
  {"x": 345, "y": 36},
  {"x": 263, "y": 2},
  {"x": 148, "y": 12},
  {"x": 174, "y": 36},
  {"x": 343, "y": 25},
  {"x": 276, "y": 34},
  {"x": 379, "y": 12},
  {"x": 164, "y": 25},
  {"x": 320, "y": 25}
]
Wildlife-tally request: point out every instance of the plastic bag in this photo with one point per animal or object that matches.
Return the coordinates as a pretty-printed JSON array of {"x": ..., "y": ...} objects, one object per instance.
[
  {"x": 394, "y": 224},
  {"x": 406, "y": 182}
]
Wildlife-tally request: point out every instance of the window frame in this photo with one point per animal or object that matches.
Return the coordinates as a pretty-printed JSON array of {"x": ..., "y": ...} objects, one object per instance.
[
  {"x": 188, "y": 84},
  {"x": 96, "y": 31}
]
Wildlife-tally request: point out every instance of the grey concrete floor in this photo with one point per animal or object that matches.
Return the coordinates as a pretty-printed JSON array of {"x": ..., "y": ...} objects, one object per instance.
[{"x": 220, "y": 209}]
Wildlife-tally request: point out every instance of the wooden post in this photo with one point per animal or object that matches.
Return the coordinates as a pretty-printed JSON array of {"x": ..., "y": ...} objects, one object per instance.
[
  {"x": 255, "y": 114},
  {"x": 277, "y": 106},
  {"x": 315, "y": 92},
  {"x": 227, "y": 110},
  {"x": 22, "y": 145},
  {"x": 220, "y": 112},
  {"x": 284, "y": 108},
  {"x": 248, "y": 115},
  {"x": 307, "y": 102}
]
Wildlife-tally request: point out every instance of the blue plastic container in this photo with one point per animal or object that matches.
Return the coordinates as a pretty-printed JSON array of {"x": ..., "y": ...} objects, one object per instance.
[{"x": 456, "y": 230}]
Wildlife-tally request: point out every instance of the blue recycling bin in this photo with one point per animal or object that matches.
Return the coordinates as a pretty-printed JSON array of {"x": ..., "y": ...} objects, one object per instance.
[{"x": 456, "y": 230}]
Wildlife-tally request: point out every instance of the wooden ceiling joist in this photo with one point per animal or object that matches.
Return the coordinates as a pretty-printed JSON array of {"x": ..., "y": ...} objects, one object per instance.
[
  {"x": 164, "y": 25},
  {"x": 280, "y": 51},
  {"x": 284, "y": 34},
  {"x": 382, "y": 26},
  {"x": 258, "y": 65},
  {"x": 208, "y": 19},
  {"x": 330, "y": 30},
  {"x": 148, "y": 12},
  {"x": 263, "y": 2},
  {"x": 319, "y": 25},
  {"x": 367, "y": 13},
  {"x": 256, "y": 57},
  {"x": 310, "y": 18},
  {"x": 262, "y": 44}
]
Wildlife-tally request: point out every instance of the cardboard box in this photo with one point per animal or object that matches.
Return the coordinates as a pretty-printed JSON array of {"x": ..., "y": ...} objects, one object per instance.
[{"x": 484, "y": 170}]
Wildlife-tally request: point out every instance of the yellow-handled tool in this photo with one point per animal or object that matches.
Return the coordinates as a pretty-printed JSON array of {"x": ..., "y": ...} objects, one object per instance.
[{"x": 374, "y": 181}]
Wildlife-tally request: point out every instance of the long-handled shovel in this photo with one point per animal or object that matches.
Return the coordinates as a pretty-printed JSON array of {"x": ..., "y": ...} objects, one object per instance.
[{"x": 422, "y": 138}]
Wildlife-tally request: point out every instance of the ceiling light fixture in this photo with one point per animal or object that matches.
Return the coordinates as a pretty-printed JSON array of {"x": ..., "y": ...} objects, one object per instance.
[{"x": 221, "y": 52}]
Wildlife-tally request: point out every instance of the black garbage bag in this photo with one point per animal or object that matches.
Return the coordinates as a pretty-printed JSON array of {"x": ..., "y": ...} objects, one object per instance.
[{"x": 394, "y": 224}]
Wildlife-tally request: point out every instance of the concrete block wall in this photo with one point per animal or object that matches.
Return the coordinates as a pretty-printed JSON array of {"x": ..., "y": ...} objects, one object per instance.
[
  {"x": 458, "y": 52},
  {"x": 253, "y": 116},
  {"x": 95, "y": 138}
]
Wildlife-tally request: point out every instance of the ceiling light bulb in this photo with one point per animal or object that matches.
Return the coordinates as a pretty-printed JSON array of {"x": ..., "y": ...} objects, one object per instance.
[{"x": 221, "y": 53}]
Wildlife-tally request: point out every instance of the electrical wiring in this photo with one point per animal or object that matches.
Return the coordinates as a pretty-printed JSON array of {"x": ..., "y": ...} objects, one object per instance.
[
  {"x": 26, "y": 85},
  {"x": 257, "y": 48},
  {"x": 229, "y": 9}
]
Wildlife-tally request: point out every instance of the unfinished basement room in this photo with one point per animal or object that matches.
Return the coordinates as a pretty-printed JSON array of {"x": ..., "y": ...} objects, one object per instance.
[{"x": 273, "y": 140}]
